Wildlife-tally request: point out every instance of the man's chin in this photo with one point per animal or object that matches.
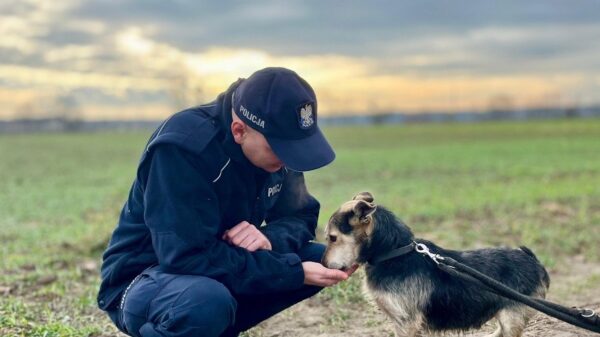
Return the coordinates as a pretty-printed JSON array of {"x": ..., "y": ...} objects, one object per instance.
[{"x": 272, "y": 169}]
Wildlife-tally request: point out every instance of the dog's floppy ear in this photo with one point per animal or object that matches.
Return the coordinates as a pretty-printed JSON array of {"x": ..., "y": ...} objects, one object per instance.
[
  {"x": 363, "y": 210},
  {"x": 366, "y": 196}
]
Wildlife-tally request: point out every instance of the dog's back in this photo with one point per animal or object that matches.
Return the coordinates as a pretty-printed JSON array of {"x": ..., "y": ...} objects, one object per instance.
[{"x": 545, "y": 277}]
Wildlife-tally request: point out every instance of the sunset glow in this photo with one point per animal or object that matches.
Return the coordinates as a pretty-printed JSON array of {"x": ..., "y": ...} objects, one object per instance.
[{"x": 131, "y": 70}]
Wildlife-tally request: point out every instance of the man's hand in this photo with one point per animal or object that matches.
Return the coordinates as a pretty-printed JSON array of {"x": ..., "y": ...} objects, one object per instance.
[
  {"x": 246, "y": 235},
  {"x": 351, "y": 270},
  {"x": 316, "y": 274}
]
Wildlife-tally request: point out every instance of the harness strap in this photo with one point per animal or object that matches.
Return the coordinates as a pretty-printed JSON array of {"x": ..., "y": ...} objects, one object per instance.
[{"x": 394, "y": 253}]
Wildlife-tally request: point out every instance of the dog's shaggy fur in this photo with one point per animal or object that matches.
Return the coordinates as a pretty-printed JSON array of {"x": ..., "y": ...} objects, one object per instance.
[{"x": 415, "y": 294}]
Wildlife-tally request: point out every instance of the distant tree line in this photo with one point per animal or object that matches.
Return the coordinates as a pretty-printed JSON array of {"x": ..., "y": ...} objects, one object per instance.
[{"x": 72, "y": 124}]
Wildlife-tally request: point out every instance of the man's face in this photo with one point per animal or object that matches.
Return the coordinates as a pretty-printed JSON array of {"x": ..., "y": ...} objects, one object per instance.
[
  {"x": 258, "y": 151},
  {"x": 255, "y": 147}
]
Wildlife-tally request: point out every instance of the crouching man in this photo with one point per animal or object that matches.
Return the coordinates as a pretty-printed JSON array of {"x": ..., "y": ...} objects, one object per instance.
[{"x": 189, "y": 256}]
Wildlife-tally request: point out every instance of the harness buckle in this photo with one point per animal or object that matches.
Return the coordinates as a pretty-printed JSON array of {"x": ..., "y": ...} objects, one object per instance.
[{"x": 423, "y": 249}]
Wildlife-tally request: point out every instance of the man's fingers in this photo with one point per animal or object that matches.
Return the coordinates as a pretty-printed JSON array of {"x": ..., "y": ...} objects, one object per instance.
[
  {"x": 254, "y": 246},
  {"x": 238, "y": 236},
  {"x": 241, "y": 236},
  {"x": 247, "y": 241},
  {"x": 335, "y": 274},
  {"x": 245, "y": 235},
  {"x": 328, "y": 282},
  {"x": 237, "y": 228},
  {"x": 351, "y": 270}
]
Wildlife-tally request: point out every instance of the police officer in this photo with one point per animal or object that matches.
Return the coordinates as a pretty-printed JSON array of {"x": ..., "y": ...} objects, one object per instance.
[{"x": 216, "y": 233}]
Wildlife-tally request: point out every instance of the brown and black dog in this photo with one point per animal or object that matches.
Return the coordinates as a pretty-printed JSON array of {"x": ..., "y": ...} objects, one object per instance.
[{"x": 414, "y": 293}]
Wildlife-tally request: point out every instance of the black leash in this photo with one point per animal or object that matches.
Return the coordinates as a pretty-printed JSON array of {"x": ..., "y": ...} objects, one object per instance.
[{"x": 583, "y": 318}]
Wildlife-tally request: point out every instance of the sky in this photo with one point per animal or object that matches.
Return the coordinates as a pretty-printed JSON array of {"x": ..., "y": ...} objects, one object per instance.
[{"x": 125, "y": 59}]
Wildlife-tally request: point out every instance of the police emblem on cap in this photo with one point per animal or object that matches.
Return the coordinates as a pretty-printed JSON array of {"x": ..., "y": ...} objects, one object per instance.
[{"x": 305, "y": 116}]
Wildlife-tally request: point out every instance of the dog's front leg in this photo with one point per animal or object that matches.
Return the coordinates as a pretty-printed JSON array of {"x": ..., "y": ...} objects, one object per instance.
[
  {"x": 402, "y": 310},
  {"x": 406, "y": 328}
]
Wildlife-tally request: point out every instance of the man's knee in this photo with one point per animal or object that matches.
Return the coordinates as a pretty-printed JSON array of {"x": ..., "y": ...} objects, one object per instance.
[
  {"x": 208, "y": 294},
  {"x": 204, "y": 308},
  {"x": 207, "y": 304}
]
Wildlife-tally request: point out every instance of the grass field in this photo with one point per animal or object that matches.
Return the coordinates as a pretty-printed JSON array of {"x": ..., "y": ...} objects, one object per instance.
[{"x": 464, "y": 185}]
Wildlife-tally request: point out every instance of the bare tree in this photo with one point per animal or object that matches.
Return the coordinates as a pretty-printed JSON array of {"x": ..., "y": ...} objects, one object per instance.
[
  {"x": 68, "y": 111},
  {"x": 501, "y": 103},
  {"x": 186, "y": 91}
]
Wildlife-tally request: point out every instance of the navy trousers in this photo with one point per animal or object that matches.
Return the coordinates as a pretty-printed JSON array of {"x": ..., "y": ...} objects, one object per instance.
[{"x": 168, "y": 305}]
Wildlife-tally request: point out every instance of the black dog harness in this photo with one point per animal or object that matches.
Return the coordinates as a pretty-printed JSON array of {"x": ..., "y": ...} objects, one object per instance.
[{"x": 395, "y": 253}]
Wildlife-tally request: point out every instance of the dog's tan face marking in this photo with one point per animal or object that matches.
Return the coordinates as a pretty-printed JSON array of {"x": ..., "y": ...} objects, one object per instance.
[
  {"x": 342, "y": 249},
  {"x": 348, "y": 227}
]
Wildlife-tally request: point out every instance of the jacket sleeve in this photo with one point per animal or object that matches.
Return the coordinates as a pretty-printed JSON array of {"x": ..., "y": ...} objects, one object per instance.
[
  {"x": 292, "y": 221},
  {"x": 182, "y": 213}
]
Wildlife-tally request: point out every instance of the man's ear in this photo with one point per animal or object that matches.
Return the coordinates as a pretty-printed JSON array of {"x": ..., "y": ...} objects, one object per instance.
[
  {"x": 363, "y": 210},
  {"x": 238, "y": 130},
  {"x": 366, "y": 196}
]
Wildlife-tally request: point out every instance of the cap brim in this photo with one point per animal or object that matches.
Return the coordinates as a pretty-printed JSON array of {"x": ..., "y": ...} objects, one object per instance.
[{"x": 304, "y": 154}]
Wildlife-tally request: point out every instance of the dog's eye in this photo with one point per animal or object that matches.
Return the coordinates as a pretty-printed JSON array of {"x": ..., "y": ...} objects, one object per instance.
[{"x": 332, "y": 238}]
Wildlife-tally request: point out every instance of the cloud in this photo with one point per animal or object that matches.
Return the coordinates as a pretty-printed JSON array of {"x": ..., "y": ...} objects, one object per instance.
[
  {"x": 343, "y": 84},
  {"x": 362, "y": 57},
  {"x": 315, "y": 27},
  {"x": 69, "y": 80}
]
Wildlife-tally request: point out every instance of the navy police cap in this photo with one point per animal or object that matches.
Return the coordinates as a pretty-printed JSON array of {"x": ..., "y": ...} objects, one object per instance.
[{"x": 283, "y": 107}]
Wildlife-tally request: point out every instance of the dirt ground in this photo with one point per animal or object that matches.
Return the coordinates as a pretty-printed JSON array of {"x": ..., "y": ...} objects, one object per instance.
[{"x": 573, "y": 283}]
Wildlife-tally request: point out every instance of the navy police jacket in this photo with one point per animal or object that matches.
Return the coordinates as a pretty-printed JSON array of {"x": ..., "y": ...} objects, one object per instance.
[{"x": 193, "y": 183}]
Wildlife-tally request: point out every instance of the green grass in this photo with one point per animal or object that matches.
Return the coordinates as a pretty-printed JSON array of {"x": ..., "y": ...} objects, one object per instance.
[
  {"x": 534, "y": 183},
  {"x": 463, "y": 185}
]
